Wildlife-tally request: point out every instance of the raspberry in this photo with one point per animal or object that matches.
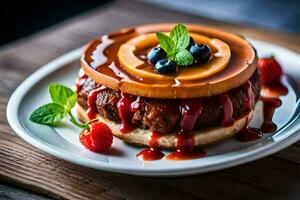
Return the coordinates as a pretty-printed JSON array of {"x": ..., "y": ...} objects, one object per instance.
[
  {"x": 98, "y": 138},
  {"x": 270, "y": 71}
]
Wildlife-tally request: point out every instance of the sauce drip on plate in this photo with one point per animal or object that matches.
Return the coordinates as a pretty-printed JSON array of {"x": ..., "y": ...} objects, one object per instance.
[
  {"x": 190, "y": 109},
  {"x": 270, "y": 102},
  {"x": 151, "y": 153}
]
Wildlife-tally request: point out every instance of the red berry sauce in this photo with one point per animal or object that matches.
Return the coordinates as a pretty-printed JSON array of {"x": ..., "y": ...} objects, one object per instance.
[
  {"x": 137, "y": 104},
  {"x": 190, "y": 109},
  {"x": 185, "y": 148},
  {"x": 80, "y": 81},
  {"x": 126, "y": 113},
  {"x": 226, "y": 104},
  {"x": 270, "y": 75},
  {"x": 247, "y": 87},
  {"x": 91, "y": 101},
  {"x": 151, "y": 153},
  {"x": 269, "y": 107},
  {"x": 248, "y": 134}
]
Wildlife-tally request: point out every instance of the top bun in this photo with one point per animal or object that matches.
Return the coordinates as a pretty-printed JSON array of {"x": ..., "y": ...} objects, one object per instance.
[{"x": 118, "y": 61}]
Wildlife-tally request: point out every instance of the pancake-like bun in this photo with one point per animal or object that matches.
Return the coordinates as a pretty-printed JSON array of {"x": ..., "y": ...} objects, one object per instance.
[
  {"x": 233, "y": 62},
  {"x": 141, "y": 137}
]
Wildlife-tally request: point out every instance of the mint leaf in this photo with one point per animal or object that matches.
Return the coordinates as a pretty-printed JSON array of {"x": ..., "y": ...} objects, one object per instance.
[
  {"x": 64, "y": 100},
  {"x": 184, "y": 58},
  {"x": 71, "y": 102},
  {"x": 175, "y": 45},
  {"x": 63, "y": 96},
  {"x": 172, "y": 56},
  {"x": 48, "y": 114},
  {"x": 180, "y": 36},
  {"x": 165, "y": 42}
]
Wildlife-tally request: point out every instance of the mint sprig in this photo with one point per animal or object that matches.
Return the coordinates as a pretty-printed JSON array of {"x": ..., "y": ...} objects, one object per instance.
[
  {"x": 175, "y": 45},
  {"x": 48, "y": 114},
  {"x": 63, "y": 96},
  {"x": 63, "y": 100}
]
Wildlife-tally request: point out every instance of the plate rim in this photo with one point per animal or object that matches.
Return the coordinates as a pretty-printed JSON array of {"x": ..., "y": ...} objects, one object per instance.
[{"x": 14, "y": 121}]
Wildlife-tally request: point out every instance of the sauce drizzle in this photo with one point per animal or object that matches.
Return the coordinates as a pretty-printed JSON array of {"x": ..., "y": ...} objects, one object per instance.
[
  {"x": 249, "y": 95},
  {"x": 126, "y": 113},
  {"x": 137, "y": 104},
  {"x": 269, "y": 106},
  {"x": 270, "y": 101},
  {"x": 190, "y": 109},
  {"x": 185, "y": 148},
  {"x": 91, "y": 101},
  {"x": 226, "y": 104},
  {"x": 80, "y": 81},
  {"x": 151, "y": 153}
]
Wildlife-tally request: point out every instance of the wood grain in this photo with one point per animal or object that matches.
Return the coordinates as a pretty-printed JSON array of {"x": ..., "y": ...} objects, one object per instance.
[
  {"x": 10, "y": 192},
  {"x": 275, "y": 177}
]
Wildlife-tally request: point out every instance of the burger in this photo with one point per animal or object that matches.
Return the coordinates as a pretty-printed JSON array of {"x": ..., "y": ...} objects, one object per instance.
[{"x": 168, "y": 86}]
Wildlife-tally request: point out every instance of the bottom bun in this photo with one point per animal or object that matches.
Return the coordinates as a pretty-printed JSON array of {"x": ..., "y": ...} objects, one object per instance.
[{"x": 141, "y": 137}]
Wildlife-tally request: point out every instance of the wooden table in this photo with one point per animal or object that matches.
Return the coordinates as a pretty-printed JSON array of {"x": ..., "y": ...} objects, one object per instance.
[{"x": 37, "y": 173}]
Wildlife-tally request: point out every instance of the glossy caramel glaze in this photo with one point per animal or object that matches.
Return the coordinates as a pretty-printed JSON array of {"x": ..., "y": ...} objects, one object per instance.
[{"x": 100, "y": 62}]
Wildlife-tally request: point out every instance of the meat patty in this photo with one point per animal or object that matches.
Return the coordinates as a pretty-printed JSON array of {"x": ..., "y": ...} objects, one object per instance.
[
  {"x": 163, "y": 115},
  {"x": 157, "y": 115}
]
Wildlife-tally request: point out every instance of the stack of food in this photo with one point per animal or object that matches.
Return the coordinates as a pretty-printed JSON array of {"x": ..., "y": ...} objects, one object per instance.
[{"x": 169, "y": 86}]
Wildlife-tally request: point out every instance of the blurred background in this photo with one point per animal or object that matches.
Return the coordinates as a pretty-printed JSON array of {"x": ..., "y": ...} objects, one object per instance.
[{"x": 19, "y": 19}]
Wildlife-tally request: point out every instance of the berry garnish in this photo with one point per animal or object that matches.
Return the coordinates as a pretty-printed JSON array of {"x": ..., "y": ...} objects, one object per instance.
[
  {"x": 97, "y": 138},
  {"x": 179, "y": 48},
  {"x": 190, "y": 44},
  {"x": 200, "y": 52},
  {"x": 175, "y": 45},
  {"x": 156, "y": 54},
  {"x": 270, "y": 71},
  {"x": 165, "y": 66}
]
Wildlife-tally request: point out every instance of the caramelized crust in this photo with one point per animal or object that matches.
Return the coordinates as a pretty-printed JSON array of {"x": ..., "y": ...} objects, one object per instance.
[{"x": 102, "y": 64}]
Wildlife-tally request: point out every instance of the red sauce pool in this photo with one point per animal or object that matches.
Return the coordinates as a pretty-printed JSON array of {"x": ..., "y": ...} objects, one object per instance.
[
  {"x": 249, "y": 134},
  {"x": 151, "y": 153},
  {"x": 185, "y": 148}
]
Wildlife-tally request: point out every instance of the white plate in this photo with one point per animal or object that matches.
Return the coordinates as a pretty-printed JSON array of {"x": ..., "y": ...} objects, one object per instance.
[{"x": 63, "y": 142}]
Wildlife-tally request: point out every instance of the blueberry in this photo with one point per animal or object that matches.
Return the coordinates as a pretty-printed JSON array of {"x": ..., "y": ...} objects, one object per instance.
[
  {"x": 165, "y": 65},
  {"x": 190, "y": 44},
  {"x": 200, "y": 52},
  {"x": 156, "y": 54}
]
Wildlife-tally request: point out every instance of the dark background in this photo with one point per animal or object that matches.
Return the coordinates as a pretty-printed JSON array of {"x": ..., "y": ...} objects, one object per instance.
[
  {"x": 21, "y": 18},
  {"x": 281, "y": 15}
]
